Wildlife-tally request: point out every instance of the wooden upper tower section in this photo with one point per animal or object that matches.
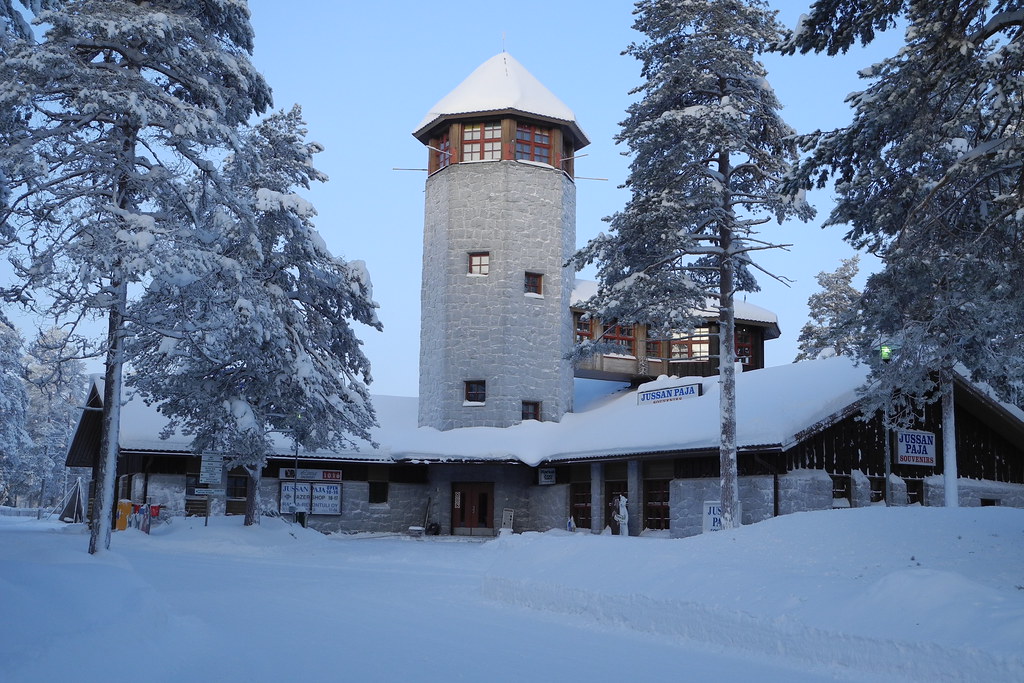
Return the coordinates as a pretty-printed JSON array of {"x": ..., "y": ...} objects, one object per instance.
[{"x": 501, "y": 112}]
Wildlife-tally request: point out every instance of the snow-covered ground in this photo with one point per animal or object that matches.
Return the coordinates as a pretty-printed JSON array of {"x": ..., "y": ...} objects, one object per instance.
[{"x": 921, "y": 594}]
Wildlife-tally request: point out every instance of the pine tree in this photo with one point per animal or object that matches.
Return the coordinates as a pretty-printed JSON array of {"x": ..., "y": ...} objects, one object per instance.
[
  {"x": 126, "y": 97},
  {"x": 827, "y": 309},
  {"x": 928, "y": 177},
  {"x": 56, "y": 388},
  {"x": 709, "y": 150},
  {"x": 263, "y": 343},
  {"x": 15, "y": 442}
]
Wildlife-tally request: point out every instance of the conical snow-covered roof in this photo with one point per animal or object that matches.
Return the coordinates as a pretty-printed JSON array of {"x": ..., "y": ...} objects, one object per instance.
[{"x": 501, "y": 84}]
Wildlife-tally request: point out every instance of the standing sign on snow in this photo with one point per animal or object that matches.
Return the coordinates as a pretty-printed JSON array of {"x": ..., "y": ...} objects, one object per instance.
[{"x": 210, "y": 469}]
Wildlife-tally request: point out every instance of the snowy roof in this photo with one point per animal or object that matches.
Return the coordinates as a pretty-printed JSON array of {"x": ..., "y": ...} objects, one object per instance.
[
  {"x": 605, "y": 426},
  {"x": 776, "y": 408},
  {"x": 501, "y": 84},
  {"x": 746, "y": 312}
]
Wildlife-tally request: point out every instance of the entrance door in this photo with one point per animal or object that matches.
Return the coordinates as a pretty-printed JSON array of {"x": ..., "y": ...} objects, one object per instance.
[{"x": 473, "y": 509}]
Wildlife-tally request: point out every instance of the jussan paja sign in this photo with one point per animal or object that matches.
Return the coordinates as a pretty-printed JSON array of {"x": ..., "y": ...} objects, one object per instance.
[
  {"x": 669, "y": 393},
  {"x": 915, "y": 448}
]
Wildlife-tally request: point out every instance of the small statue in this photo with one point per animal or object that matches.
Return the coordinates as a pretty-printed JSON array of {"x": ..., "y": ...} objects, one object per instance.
[{"x": 622, "y": 517}]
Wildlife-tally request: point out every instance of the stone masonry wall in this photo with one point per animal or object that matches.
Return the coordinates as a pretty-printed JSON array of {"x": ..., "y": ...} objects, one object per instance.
[
  {"x": 972, "y": 491},
  {"x": 549, "y": 507},
  {"x": 476, "y": 327}
]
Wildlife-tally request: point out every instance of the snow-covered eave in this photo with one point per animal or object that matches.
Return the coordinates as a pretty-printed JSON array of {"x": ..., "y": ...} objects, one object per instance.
[
  {"x": 621, "y": 453},
  {"x": 408, "y": 458},
  {"x": 821, "y": 425},
  {"x": 435, "y": 120},
  {"x": 744, "y": 312}
]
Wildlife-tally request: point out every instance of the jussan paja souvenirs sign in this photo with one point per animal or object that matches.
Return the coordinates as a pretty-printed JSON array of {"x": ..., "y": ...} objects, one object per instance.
[{"x": 664, "y": 394}]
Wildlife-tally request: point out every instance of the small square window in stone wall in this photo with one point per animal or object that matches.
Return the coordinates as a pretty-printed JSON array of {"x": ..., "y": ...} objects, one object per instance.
[
  {"x": 533, "y": 283},
  {"x": 479, "y": 263},
  {"x": 476, "y": 391}
]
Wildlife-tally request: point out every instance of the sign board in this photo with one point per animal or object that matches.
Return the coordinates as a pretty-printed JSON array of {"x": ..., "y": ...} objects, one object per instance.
[
  {"x": 506, "y": 518},
  {"x": 310, "y": 475},
  {"x": 665, "y": 394},
  {"x": 326, "y": 499},
  {"x": 295, "y": 496},
  {"x": 211, "y": 469},
  {"x": 546, "y": 476},
  {"x": 713, "y": 515},
  {"x": 915, "y": 448},
  {"x": 208, "y": 492}
]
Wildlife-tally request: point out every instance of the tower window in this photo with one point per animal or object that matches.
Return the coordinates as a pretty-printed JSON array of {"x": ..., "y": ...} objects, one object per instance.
[
  {"x": 531, "y": 410},
  {"x": 479, "y": 263},
  {"x": 476, "y": 391},
  {"x": 444, "y": 151},
  {"x": 481, "y": 141},
  {"x": 533, "y": 143},
  {"x": 533, "y": 283}
]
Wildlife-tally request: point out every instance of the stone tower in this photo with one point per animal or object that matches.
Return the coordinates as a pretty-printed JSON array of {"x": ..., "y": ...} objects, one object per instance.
[{"x": 500, "y": 222}]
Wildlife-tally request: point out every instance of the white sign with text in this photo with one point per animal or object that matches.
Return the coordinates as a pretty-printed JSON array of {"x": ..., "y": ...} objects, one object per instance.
[
  {"x": 662, "y": 395},
  {"x": 915, "y": 448}
]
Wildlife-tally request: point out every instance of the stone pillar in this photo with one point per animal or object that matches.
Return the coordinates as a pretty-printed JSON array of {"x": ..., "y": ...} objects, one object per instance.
[{"x": 596, "y": 497}]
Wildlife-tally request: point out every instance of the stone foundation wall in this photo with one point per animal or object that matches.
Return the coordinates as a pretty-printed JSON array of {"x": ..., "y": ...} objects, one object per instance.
[
  {"x": 549, "y": 507},
  {"x": 972, "y": 492}
]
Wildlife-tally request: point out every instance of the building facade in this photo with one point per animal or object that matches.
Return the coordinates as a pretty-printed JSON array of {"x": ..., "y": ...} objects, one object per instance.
[{"x": 503, "y": 435}]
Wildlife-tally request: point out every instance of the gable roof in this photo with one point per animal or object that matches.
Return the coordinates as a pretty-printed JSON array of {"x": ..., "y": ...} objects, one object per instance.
[{"x": 501, "y": 84}]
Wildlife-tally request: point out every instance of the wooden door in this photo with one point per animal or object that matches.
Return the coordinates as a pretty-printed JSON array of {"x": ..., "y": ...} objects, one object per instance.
[{"x": 473, "y": 509}]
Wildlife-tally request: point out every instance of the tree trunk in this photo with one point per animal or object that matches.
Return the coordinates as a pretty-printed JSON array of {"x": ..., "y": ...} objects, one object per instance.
[
  {"x": 727, "y": 362},
  {"x": 110, "y": 429},
  {"x": 949, "y": 474},
  {"x": 252, "y": 496}
]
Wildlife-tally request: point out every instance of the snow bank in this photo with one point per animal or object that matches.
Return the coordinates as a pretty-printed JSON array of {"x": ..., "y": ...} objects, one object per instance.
[{"x": 874, "y": 594}]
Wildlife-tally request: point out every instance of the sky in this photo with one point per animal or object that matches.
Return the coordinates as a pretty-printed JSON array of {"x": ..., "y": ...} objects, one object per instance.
[
  {"x": 882, "y": 595},
  {"x": 365, "y": 75}
]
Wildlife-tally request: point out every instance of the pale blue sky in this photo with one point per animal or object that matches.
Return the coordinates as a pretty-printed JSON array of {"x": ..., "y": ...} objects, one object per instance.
[{"x": 366, "y": 74}]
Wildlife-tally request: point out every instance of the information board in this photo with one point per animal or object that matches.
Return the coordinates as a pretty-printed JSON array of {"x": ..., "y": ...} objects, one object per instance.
[
  {"x": 211, "y": 469},
  {"x": 326, "y": 499},
  {"x": 295, "y": 496}
]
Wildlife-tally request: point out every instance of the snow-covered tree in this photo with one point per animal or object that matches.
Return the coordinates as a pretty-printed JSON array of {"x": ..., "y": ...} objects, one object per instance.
[
  {"x": 709, "y": 149},
  {"x": 929, "y": 172},
  {"x": 827, "y": 309},
  {"x": 264, "y": 342},
  {"x": 929, "y": 177},
  {"x": 126, "y": 98},
  {"x": 14, "y": 439},
  {"x": 56, "y": 388}
]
